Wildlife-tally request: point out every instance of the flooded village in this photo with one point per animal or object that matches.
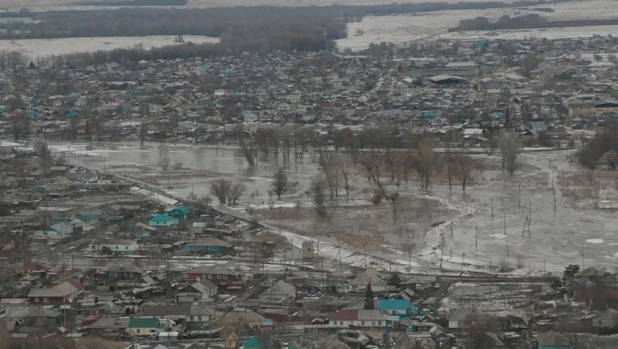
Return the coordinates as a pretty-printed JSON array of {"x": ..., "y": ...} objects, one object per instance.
[{"x": 440, "y": 194}]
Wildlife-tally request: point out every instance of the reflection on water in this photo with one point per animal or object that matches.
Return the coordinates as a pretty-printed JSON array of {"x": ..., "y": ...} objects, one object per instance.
[{"x": 219, "y": 162}]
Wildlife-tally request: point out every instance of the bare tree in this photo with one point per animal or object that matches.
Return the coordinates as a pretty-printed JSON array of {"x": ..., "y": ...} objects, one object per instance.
[
  {"x": 318, "y": 194},
  {"x": 280, "y": 184},
  {"x": 345, "y": 174},
  {"x": 477, "y": 326},
  {"x": 235, "y": 192},
  {"x": 509, "y": 148},
  {"x": 427, "y": 160},
  {"x": 164, "y": 162},
  {"x": 505, "y": 94},
  {"x": 41, "y": 149},
  {"x": 490, "y": 143},
  {"x": 371, "y": 162},
  {"x": 451, "y": 170},
  {"x": 219, "y": 188},
  {"x": 178, "y": 165},
  {"x": 143, "y": 133},
  {"x": 465, "y": 167}
]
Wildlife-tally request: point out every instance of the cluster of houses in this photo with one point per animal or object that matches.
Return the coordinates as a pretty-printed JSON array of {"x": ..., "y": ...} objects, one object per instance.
[
  {"x": 174, "y": 307},
  {"x": 440, "y": 86}
]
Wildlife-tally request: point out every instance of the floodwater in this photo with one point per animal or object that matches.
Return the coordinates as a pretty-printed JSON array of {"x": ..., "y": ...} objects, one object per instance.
[
  {"x": 226, "y": 163},
  {"x": 489, "y": 229}
]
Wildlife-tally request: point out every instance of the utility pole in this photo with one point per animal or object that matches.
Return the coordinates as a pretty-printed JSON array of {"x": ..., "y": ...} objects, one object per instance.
[
  {"x": 507, "y": 249},
  {"x": 554, "y": 192},
  {"x": 529, "y": 214},
  {"x": 476, "y": 236},
  {"x": 504, "y": 223},
  {"x": 441, "y": 255},
  {"x": 365, "y": 253},
  {"x": 519, "y": 196},
  {"x": 492, "y": 209},
  {"x": 451, "y": 223},
  {"x": 462, "y": 256}
]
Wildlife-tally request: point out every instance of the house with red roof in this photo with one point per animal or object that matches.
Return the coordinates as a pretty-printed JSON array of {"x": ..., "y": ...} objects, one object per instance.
[
  {"x": 28, "y": 267},
  {"x": 57, "y": 295},
  {"x": 358, "y": 318}
]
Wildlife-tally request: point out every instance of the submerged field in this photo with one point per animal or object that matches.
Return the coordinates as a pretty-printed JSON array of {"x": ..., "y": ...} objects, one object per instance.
[
  {"x": 487, "y": 220},
  {"x": 401, "y": 29}
]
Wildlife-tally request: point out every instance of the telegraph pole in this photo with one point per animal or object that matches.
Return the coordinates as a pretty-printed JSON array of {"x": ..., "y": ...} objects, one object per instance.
[{"x": 476, "y": 236}]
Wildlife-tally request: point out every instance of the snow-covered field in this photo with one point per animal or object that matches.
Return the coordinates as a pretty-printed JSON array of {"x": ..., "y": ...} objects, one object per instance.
[
  {"x": 400, "y": 29},
  {"x": 47, "y": 5},
  {"x": 46, "y": 47}
]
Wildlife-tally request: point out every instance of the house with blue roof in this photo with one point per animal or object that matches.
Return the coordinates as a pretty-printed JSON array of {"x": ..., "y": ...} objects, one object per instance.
[
  {"x": 256, "y": 343},
  {"x": 400, "y": 307},
  {"x": 85, "y": 222},
  {"x": 162, "y": 220},
  {"x": 179, "y": 212}
]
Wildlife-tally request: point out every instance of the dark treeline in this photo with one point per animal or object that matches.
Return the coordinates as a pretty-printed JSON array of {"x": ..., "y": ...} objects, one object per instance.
[
  {"x": 215, "y": 21},
  {"x": 155, "y": 21},
  {"x": 530, "y": 21},
  {"x": 135, "y": 3},
  {"x": 185, "y": 51}
]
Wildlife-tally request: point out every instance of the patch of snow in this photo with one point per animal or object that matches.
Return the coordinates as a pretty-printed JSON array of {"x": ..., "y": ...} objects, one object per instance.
[
  {"x": 498, "y": 236},
  {"x": 595, "y": 241}
]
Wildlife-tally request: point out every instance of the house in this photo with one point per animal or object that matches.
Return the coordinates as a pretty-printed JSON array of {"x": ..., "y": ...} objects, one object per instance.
[
  {"x": 60, "y": 230},
  {"x": 257, "y": 343},
  {"x": 178, "y": 212},
  {"x": 607, "y": 320},
  {"x": 208, "y": 246},
  {"x": 294, "y": 97},
  {"x": 115, "y": 246},
  {"x": 369, "y": 276},
  {"x": 124, "y": 272},
  {"x": 145, "y": 327},
  {"x": 458, "y": 317},
  {"x": 491, "y": 341},
  {"x": 29, "y": 267},
  {"x": 358, "y": 318},
  {"x": 231, "y": 341},
  {"x": 398, "y": 307},
  {"x": 238, "y": 319},
  {"x": 7, "y": 153},
  {"x": 85, "y": 222},
  {"x": 279, "y": 292},
  {"x": 86, "y": 176},
  {"x": 189, "y": 313},
  {"x": 56, "y": 295},
  {"x": 32, "y": 316},
  {"x": 109, "y": 326},
  {"x": 162, "y": 220},
  {"x": 198, "y": 291},
  {"x": 215, "y": 273},
  {"x": 551, "y": 340}
]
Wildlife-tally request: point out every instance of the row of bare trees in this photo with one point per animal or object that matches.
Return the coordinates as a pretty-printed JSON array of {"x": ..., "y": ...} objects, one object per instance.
[
  {"x": 602, "y": 149},
  {"x": 226, "y": 191}
]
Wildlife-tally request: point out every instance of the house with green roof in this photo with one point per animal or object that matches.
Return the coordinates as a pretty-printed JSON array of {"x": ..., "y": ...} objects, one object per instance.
[
  {"x": 256, "y": 343},
  {"x": 85, "y": 222},
  {"x": 162, "y": 220},
  {"x": 209, "y": 246},
  {"x": 144, "y": 326},
  {"x": 396, "y": 307},
  {"x": 179, "y": 212}
]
